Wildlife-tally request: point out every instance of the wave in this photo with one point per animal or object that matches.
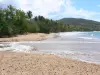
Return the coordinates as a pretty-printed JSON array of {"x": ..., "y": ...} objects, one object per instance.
[
  {"x": 69, "y": 33},
  {"x": 15, "y": 47},
  {"x": 82, "y": 35},
  {"x": 88, "y": 38},
  {"x": 82, "y": 56}
]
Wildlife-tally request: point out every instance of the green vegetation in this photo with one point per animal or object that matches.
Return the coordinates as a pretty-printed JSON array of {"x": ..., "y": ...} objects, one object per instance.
[
  {"x": 14, "y": 21},
  {"x": 81, "y": 24}
]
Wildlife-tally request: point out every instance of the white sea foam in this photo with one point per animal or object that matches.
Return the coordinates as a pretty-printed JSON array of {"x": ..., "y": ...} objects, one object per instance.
[
  {"x": 16, "y": 47},
  {"x": 88, "y": 38},
  {"x": 82, "y": 35},
  {"x": 86, "y": 57},
  {"x": 68, "y": 34}
]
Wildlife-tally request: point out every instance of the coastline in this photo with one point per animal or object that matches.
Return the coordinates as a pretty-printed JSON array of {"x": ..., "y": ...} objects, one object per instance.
[
  {"x": 43, "y": 64},
  {"x": 23, "y": 63},
  {"x": 28, "y": 37}
]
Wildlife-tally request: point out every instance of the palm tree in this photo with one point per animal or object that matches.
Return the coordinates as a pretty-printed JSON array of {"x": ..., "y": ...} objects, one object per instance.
[{"x": 29, "y": 13}]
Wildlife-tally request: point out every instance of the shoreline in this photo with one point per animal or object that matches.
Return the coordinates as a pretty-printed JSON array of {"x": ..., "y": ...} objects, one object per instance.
[
  {"x": 28, "y": 37},
  {"x": 38, "y": 63},
  {"x": 44, "y": 64},
  {"x": 25, "y": 46},
  {"x": 34, "y": 50}
]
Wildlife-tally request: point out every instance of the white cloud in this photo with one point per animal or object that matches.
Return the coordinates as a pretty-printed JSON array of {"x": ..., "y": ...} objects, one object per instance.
[
  {"x": 5, "y": 3},
  {"x": 41, "y": 7},
  {"x": 71, "y": 11},
  {"x": 54, "y": 8},
  {"x": 1, "y": 0},
  {"x": 98, "y": 5}
]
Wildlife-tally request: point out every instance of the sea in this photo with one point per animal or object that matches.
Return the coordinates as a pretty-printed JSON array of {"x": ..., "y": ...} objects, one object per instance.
[{"x": 83, "y": 46}]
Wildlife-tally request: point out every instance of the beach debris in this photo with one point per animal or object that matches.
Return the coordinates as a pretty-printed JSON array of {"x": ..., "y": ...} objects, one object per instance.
[{"x": 34, "y": 49}]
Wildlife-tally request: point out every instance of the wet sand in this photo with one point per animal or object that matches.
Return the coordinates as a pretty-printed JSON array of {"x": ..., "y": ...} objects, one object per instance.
[
  {"x": 28, "y": 37},
  {"x": 43, "y": 64}
]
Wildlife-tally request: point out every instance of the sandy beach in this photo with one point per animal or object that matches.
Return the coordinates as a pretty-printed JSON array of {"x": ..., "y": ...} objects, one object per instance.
[
  {"x": 42, "y": 64},
  {"x": 20, "y": 63},
  {"x": 28, "y": 37}
]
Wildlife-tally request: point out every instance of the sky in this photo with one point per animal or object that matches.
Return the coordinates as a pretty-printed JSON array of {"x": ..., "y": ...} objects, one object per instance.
[{"x": 57, "y": 9}]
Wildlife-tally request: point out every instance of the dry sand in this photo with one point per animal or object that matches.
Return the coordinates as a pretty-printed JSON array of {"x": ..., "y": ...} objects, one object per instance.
[
  {"x": 28, "y": 37},
  {"x": 42, "y": 64}
]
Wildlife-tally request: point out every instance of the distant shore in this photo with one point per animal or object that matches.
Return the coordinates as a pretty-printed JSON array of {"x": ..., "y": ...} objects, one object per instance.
[
  {"x": 43, "y": 64},
  {"x": 28, "y": 37}
]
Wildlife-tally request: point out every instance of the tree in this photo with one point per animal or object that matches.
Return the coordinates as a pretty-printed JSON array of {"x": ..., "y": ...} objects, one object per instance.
[{"x": 29, "y": 13}]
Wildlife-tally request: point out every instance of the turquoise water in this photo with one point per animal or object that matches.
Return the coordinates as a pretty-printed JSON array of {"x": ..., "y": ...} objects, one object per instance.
[{"x": 94, "y": 34}]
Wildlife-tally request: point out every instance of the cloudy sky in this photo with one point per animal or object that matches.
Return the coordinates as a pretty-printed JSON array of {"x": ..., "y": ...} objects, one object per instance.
[{"x": 57, "y": 9}]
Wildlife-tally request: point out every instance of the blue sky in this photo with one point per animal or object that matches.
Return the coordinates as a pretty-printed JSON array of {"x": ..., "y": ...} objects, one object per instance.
[
  {"x": 57, "y": 9},
  {"x": 90, "y": 5}
]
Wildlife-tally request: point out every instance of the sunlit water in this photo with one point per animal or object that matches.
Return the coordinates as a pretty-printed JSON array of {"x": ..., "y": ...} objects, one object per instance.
[{"x": 84, "y": 46}]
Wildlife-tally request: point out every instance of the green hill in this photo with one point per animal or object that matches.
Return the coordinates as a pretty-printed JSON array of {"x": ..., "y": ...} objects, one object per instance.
[
  {"x": 78, "y": 21},
  {"x": 80, "y": 24}
]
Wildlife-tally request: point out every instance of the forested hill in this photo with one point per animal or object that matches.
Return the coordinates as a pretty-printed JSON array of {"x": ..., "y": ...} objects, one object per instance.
[{"x": 78, "y": 21}]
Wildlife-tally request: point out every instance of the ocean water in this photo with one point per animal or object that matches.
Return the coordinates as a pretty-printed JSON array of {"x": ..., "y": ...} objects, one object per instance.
[
  {"x": 84, "y": 46},
  {"x": 91, "y": 35},
  {"x": 84, "y": 35}
]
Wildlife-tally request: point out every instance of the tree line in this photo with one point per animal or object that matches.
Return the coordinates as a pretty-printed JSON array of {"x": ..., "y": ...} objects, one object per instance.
[{"x": 14, "y": 21}]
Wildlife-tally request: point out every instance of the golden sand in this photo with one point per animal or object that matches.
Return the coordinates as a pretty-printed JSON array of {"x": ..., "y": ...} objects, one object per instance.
[
  {"x": 28, "y": 37},
  {"x": 42, "y": 64}
]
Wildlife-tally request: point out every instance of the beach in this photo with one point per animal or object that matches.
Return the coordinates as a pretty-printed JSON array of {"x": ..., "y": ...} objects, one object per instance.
[
  {"x": 42, "y": 54},
  {"x": 27, "y": 37},
  {"x": 43, "y": 64},
  {"x": 49, "y": 37}
]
